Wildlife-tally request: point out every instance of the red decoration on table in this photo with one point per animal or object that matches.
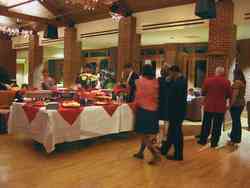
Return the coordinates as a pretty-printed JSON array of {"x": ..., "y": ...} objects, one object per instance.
[
  {"x": 70, "y": 114},
  {"x": 30, "y": 112},
  {"x": 110, "y": 108}
]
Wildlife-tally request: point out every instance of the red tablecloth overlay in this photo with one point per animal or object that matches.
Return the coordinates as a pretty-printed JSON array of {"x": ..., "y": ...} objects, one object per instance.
[
  {"x": 110, "y": 108},
  {"x": 70, "y": 114},
  {"x": 30, "y": 111}
]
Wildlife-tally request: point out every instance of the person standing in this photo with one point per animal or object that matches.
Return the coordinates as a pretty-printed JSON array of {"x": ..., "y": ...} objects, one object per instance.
[
  {"x": 163, "y": 105},
  {"x": 237, "y": 105},
  {"x": 177, "y": 106},
  {"x": 130, "y": 82},
  {"x": 47, "y": 83},
  {"x": 146, "y": 100},
  {"x": 216, "y": 90}
]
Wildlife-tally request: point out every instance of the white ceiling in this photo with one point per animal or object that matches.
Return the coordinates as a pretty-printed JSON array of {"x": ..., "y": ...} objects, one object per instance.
[
  {"x": 34, "y": 8},
  {"x": 187, "y": 34},
  {"x": 11, "y": 2}
]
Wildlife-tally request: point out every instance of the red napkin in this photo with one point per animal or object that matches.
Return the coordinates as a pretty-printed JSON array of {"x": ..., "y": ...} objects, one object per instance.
[
  {"x": 110, "y": 108},
  {"x": 70, "y": 114},
  {"x": 30, "y": 112}
]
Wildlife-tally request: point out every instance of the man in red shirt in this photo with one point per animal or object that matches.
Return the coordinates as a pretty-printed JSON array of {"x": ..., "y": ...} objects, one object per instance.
[{"x": 217, "y": 90}]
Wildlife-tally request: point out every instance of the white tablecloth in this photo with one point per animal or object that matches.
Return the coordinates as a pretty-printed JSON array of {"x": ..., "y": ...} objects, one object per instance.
[{"x": 49, "y": 128}]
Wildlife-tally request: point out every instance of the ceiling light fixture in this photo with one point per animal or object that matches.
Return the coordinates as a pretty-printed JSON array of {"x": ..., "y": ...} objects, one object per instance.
[
  {"x": 17, "y": 30},
  {"x": 85, "y": 4}
]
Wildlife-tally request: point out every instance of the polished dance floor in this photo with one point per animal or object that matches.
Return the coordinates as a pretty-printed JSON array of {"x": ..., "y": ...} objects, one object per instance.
[{"x": 108, "y": 163}]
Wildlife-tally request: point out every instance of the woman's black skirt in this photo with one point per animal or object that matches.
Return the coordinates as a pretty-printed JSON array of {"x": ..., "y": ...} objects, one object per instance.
[{"x": 147, "y": 122}]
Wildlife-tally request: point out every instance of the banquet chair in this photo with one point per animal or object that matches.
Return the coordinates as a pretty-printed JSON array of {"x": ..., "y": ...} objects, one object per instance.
[{"x": 6, "y": 99}]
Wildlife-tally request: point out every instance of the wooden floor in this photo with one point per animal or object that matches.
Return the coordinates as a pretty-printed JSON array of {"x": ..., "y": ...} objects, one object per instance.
[{"x": 108, "y": 163}]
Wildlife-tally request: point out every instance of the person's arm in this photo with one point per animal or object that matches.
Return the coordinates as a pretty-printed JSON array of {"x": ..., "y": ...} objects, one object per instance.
[
  {"x": 234, "y": 96},
  {"x": 233, "y": 92}
]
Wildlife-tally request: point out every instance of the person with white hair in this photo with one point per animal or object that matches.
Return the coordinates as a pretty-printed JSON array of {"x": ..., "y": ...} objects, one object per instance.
[{"x": 216, "y": 91}]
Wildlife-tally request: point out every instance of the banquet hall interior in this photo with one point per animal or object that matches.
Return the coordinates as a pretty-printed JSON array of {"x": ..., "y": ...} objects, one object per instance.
[{"x": 76, "y": 128}]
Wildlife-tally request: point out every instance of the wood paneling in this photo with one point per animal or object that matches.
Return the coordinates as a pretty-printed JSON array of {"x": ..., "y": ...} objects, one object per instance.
[{"x": 8, "y": 57}]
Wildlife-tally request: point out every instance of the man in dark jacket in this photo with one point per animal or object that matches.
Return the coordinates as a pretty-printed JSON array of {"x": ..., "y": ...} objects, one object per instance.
[
  {"x": 131, "y": 78},
  {"x": 177, "y": 105}
]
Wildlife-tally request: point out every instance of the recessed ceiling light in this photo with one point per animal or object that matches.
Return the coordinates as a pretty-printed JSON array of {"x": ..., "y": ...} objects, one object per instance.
[{"x": 192, "y": 36}]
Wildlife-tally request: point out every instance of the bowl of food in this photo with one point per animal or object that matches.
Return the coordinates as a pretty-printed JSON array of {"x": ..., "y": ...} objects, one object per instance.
[{"x": 71, "y": 104}]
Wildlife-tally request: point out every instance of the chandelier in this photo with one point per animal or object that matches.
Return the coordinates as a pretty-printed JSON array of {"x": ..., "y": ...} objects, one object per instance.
[
  {"x": 14, "y": 31},
  {"x": 116, "y": 16},
  {"x": 85, "y": 4}
]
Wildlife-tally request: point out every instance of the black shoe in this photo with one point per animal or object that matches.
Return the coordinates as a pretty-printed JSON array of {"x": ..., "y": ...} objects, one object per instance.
[
  {"x": 198, "y": 136},
  {"x": 214, "y": 145},
  {"x": 173, "y": 158},
  {"x": 138, "y": 156},
  {"x": 201, "y": 143}
]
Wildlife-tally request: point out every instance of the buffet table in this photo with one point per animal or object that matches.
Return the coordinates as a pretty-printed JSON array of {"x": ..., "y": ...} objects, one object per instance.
[{"x": 51, "y": 127}]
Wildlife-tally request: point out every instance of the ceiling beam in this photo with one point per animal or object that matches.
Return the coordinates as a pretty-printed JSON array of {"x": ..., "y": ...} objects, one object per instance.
[
  {"x": 50, "y": 5},
  {"x": 19, "y": 4},
  {"x": 150, "y": 5},
  {"x": 135, "y": 6},
  {"x": 5, "y": 12}
]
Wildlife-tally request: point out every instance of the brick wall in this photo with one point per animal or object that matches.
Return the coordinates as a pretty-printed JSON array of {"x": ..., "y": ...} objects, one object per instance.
[
  {"x": 72, "y": 57},
  {"x": 244, "y": 60},
  {"x": 129, "y": 42},
  {"x": 222, "y": 36},
  {"x": 35, "y": 61}
]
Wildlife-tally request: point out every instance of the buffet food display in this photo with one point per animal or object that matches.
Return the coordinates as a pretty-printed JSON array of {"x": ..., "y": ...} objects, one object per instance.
[{"x": 68, "y": 115}]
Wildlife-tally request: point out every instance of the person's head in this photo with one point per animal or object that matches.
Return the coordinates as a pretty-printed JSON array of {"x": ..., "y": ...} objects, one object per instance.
[
  {"x": 165, "y": 70},
  {"x": 87, "y": 68},
  {"x": 239, "y": 75},
  {"x": 191, "y": 91},
  {"x": 128, "y": 68},
  {"x": 219, "y": 71},
  {"x": 45, "y": 73},
  {"x": 148, "y": 71},
  {"x": 25, "y": 86},
  {"x": 174, "y": 71}
]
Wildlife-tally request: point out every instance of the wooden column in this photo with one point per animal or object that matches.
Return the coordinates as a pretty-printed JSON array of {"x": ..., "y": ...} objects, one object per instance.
[
  {"x": 72, "y": 57},
  {"x": 170, "y": 54},
  {"x": 35, "y": 61},
  {"x": 222, "y": 37},
  {"x": 129, "y": 43},
  {"x": 8, "y": 56},
  {"x": 136, "y": 52},
  {"x": 114, "y": 56}
]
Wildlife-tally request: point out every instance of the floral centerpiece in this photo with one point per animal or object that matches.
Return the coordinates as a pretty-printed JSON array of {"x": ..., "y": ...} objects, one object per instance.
[{"x": 88, "y": 81}]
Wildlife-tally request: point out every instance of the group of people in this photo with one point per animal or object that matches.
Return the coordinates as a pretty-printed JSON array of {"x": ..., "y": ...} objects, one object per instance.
[
  {"x": 165, "y": 99},
  {"x": 221, "y": 96},
  {"x": 158, "y": 99}
]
